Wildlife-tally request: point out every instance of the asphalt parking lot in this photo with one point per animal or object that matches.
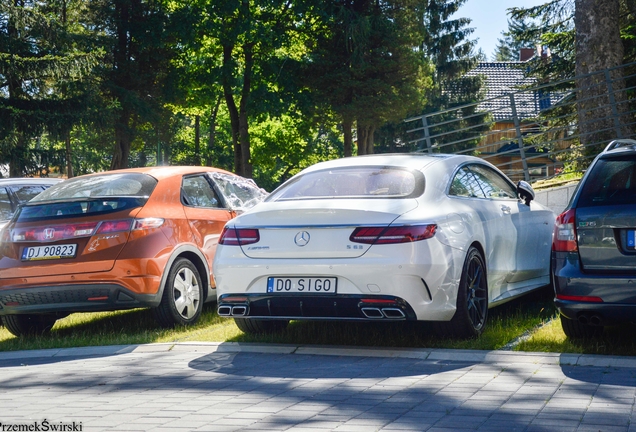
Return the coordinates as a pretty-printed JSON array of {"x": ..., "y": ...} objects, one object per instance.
[{"x": 252, "y": 387}]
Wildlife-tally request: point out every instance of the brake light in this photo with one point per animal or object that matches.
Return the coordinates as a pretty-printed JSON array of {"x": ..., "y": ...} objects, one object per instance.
[
  {"x": 391, "y": 235},
  {"x": 564, "y": 239},
  {"x": 239, "y": 236},
  {"x": 54, "y": 232},
  {"x": 592, "y": 299}
]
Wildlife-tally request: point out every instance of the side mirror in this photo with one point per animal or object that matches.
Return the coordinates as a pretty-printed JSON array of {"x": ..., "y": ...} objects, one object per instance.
[{"x": 525, "y": 191}]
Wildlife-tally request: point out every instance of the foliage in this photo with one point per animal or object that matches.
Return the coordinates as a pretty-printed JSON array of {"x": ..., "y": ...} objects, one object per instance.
[
  {"x": 521, "y": 33},
  {"x": 44, "y": 63}
]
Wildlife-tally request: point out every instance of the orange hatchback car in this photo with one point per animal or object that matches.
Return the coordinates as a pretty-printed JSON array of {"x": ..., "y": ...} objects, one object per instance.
[{"x": 123, "y": 239}]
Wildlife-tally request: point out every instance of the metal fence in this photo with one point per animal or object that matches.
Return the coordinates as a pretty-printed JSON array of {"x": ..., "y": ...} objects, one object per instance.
[{"x": 536, "y": 132}]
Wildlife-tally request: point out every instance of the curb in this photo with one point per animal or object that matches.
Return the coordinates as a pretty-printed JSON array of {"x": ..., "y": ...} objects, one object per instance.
[{"x": 469, "y": 356}]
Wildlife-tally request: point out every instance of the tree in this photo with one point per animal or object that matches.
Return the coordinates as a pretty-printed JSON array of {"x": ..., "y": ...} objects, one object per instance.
[
  {"x": 365, "y": 65},
  {"x": 448, "y": 46},
  {"x": 599, "y": 47},
  {"x": 520, "y": 34},
  {"x": 587, "y": 37},
  {"x": 138, "y": 37},
  {"x": 42, "y": 63}
]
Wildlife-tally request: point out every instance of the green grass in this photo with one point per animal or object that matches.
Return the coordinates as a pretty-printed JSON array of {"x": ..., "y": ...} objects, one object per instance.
[
  {"x": 532, "y": 315},
  {"x": 506, "y": 323}
]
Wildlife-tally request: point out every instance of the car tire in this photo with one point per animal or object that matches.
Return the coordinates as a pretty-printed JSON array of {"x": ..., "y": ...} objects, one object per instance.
[
  {"x": 182, "y": 299},
  {"x": 258, "y": 326},
  {"x": 577, "y": 330},
  {"x": 29, "y": 324},
  {"x": 471, "y": 315}
]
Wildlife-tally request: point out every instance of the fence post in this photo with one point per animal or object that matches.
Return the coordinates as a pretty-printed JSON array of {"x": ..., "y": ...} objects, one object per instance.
[
  {"x": 515, "y": 118},
  {"x": 612, "y": 100},
  {"x": 427, "y": 135}
]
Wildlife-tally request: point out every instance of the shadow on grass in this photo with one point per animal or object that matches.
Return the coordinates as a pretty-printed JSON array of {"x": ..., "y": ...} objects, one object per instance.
[{"x": 506, "y": 323}]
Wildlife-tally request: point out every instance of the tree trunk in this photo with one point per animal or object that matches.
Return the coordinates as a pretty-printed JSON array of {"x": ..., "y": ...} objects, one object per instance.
[
  {"x": 212, "y": 137},
  {"x": 365, "y": 138},
  {"x": 244, "y": 134},
  {"x": 197, "y": 140},
  {"x": 361, "y": 130},
  {"x": 123, "y": 140},
  {"x": 599, "y": 47},
  {"x": 69, "y": 155},
  {"x": 347, "y": 124},
  {"x": 231, "y": 106}
]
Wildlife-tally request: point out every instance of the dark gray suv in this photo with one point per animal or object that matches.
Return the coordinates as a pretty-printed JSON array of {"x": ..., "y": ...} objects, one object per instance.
[{"x": 593, "y": 249}]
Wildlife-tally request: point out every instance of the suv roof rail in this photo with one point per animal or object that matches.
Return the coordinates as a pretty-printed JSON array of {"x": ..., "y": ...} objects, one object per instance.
[{"x": 621, "y": 143}]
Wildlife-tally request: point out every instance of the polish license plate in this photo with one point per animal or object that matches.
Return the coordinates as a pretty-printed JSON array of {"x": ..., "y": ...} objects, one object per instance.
[
  {"x": 307, "y": 285},
  {"x": 631, "y": 239},
  {"x": 37, "y": 253}
]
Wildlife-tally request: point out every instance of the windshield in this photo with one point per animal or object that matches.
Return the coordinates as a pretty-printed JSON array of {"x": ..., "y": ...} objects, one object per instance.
[{"x": 353, "y": 182}]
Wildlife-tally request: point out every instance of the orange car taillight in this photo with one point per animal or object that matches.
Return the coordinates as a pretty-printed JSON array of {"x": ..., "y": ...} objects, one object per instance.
[
  {"x": 391, "y": 235},
  {"x": 69, "y": 231},
  {"x": 239, "y": 236},
  {"x": 53, "y": 232},
  {"x": 564, "y": 239}
]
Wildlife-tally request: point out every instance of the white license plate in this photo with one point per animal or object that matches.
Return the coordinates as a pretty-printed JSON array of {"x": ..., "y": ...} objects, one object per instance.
[
  {"x": 308, "y": 285},
  {"x": 36, "y": 253}
]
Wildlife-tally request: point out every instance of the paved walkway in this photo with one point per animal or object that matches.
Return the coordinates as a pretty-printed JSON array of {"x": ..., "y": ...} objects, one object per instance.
[{"x": 229, "y": 386}]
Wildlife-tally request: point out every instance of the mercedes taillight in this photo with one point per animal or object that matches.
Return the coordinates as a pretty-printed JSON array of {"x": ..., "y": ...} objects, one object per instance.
[
  {"x": 239, "y": 236},
  {"x": 392, "y": 235}
]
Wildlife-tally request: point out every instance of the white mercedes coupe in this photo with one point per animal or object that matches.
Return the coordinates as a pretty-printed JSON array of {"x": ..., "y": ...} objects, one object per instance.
[{"x": 426, "y": 237}]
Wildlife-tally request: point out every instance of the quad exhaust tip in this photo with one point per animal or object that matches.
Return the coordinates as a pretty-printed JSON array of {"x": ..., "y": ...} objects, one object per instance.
[
  {"x": 227, "y": 310},
  {"x": 377, "y": 313}
]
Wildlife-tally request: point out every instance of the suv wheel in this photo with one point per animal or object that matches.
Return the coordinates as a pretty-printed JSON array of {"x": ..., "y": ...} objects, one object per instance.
[{"x": 576, "y": 330}]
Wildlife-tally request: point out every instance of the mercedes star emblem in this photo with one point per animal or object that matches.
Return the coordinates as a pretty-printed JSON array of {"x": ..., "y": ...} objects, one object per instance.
[{"x": 302, "y": 238}]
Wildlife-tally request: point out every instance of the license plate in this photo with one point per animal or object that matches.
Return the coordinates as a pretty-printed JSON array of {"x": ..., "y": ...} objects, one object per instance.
[
  {"x": 36, "y": 253},
  {"x": 631, "y": 239},
  {"x": 308, "y": 285}
]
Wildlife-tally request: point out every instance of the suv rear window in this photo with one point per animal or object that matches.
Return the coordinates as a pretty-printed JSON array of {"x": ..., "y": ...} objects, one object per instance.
[
  {"x": 612, "y": 181},
  {"x": 353, "y": 182}
]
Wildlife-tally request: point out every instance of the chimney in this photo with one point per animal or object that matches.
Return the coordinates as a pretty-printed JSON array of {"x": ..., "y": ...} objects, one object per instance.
[{"x": 526, "y": 54}]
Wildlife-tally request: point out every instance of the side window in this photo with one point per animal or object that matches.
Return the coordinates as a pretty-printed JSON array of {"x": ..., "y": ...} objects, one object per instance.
[
  {"x": 493, "y": 184},
  {"x": 5, "y": 205},
  {"x": 465, "y": 184},
  {"x": 198, "y": 192},
  {"x": 238, "y": 192},
  {"x": 26, "y": 192}
]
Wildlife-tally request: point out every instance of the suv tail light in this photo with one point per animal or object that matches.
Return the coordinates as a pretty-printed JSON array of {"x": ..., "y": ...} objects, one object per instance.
[
  {"x": 239, "y": 236},
  {"x": 565, "y": 232},
  {"x": 391, "y": 235}
]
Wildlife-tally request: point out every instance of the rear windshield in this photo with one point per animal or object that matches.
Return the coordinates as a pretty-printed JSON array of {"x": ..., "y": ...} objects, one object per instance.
[
  {"x": 92, "y": 195},
  {"x": 612, "y": 181},
  {"x": 103, "y": 185},
  {"x": 353, "y": 182}
]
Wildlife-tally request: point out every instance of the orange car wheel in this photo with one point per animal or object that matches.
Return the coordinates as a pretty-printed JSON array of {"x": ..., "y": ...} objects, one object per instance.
[
  {"x": 28, "y": 324},
  {"x": 182, "y": 299}
]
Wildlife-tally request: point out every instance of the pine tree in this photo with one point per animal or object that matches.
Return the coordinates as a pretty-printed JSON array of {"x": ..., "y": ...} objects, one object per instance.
[{"x": 42, "y": 63}]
